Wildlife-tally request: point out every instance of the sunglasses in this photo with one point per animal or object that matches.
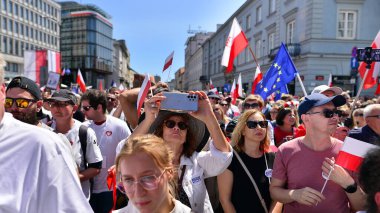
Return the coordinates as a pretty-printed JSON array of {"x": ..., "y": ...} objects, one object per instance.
[
  {"x": 223, "y": 104},
  {"x": 20, "y": 102},
  {"x": 58, "y": 104},
  {"x": 253, "y": 124},
  {"x": 327, "y": 113},
  {"x": 171, "y": 124},
  {"x": 86, "y": 108},
  {"x": 358, "y": 115},
  {"x": 254, "y": 105},
  {"x": 341, "y": 113}
]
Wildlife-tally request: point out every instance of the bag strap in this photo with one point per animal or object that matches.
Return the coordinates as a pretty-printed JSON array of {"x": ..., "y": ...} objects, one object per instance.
[
  {"x": 262, "y": 201},
  {"x": 83, "y": 142}
]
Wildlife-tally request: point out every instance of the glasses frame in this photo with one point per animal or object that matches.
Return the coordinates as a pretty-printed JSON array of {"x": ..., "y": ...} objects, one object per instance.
[
  {"x": 373, "y": 116},
  {"x": 132, "y": 183},
  {"x": 87, "y": 108},
  {"x": 18, "y": 105},
  {"x": 181, "y": 125},
  {"x": 251, "y": 106},
  {"x": 325, "y": 112},
  {"x": 254, "y": 124}
]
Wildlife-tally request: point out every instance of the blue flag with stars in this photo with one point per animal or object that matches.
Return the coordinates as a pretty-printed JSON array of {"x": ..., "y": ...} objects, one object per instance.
[
  {"x": 282, "y": 90},
  {"x": 279, "y": 74}
]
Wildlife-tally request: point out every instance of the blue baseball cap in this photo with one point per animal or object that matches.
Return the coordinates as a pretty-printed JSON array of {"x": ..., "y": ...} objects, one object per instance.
[{"x": 317, "y": 99}]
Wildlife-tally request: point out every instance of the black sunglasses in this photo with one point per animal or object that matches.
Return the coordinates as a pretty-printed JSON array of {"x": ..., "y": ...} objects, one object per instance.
[
  {"x": 171, "y": 124},
  {"x": 327, "y": 113},
  {"x": 254, "y": 105},
  {"x": 20, "y": 102},
  {"x": 253, "y": 124},
  {"x": 86, "y": 108}
]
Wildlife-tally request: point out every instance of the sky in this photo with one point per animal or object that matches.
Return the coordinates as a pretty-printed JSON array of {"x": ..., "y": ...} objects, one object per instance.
[{"x": 153, "y": 29}]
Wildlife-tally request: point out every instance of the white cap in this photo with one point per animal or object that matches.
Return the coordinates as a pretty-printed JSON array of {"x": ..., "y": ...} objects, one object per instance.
[{"x": 323, "y": 88}]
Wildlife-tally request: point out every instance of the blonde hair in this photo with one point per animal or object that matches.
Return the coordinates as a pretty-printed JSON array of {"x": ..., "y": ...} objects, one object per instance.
[
  {"x": 257, "y": 98},
  {"x": 237, "y": 140},
  {"x": 154, "y": 147}
]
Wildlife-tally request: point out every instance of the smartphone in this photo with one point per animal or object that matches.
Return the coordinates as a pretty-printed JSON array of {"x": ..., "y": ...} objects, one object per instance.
[{"x": 182, "y": 102}]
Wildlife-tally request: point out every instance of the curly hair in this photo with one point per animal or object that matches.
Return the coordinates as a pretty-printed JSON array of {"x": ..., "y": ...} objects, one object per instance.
[{"x": 237, "y": 139}]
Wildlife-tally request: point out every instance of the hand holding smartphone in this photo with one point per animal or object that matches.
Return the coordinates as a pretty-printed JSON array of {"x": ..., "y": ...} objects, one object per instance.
[{"x": 182, "y": 102}]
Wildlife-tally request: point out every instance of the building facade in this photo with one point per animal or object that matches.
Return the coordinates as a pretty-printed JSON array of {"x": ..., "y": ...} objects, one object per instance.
[
  {"x": 193, "y": 62},
  {"x": 179, "y": 79},
  {"x": 121, "y": 64},
  {"x": 319, "y": 34},
  {"x": 27, "y": 25},
  {"x": 86, "y": 42}
]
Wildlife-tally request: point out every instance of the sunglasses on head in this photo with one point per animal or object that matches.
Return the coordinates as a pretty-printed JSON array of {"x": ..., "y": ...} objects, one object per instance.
[
  {"x": 327, "y": 113},
  {"x": 86, "y": 108},
  {"x": 20, "y": 102},
  {"x": 253, "y": 124},
  {"x": 171, "y": 124},
  {"x": 254, "y": 105}
]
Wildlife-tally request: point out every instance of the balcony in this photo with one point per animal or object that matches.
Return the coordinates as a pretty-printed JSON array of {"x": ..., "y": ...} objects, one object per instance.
[{"x": 293, "y": 49}]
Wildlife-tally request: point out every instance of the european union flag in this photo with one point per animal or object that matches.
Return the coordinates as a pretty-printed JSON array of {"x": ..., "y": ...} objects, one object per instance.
[
  {"x": 282, "y": 90},
  {"x": 279, "y": 74}
]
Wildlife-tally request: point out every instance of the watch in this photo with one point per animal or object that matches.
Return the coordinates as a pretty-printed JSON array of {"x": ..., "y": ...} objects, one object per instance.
[{"x": 351, "y": 188}]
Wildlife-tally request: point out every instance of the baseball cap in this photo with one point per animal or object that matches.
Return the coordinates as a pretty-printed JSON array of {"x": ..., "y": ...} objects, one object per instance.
[
  {"x": 25, "y": 84},
  {"x": 212, "y": 94},
  {"x": 323, "y": 88},
  {"x": 317, "y": 99},
  {"x": 64, "y": 95}
]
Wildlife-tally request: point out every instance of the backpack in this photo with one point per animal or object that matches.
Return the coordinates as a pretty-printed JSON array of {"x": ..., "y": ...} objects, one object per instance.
[{"x": 83, "y": 145}]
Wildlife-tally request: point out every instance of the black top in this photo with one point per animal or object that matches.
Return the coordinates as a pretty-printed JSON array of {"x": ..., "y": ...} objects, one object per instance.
[
  {"x": 365, "y": 134},
  {"x": 243, "y": 195}
]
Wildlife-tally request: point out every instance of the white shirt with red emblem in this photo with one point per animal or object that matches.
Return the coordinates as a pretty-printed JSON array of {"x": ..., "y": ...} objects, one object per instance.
[{"x": 109, "y": 134}]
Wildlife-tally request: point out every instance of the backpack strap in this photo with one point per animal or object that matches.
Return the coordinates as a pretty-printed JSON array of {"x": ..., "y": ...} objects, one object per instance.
[{"x": 83, "y": 142}]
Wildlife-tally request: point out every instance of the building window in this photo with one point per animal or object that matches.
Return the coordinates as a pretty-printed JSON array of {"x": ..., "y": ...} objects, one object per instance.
[
  {"x": 4, "y": 24},
  {"x": 27, "y": 14},
  {"x": 16, "y": 9},
  {"x": 272, "y": 6},
  {"x": 258, "y": 48},
  {"x": 16, "y": 27},
  {"x": 4, "y": 5},
  {"x": 22, "y": 29},
  {"x": 10, "y": 25},
  {"x": 10, "y": 7},
  {"x": 290, "y": 32},
  {"x": 4, "y": 46},
  {"x": 258, "y": 14},
  {"x": 347, "y": 24},
  {"x": 270, "y": 42},
  {"x": 248, "y": 22}
]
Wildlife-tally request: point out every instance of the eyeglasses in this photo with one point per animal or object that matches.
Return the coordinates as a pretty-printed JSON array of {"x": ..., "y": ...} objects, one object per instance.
[
  {"x": 149, "y": 182},
  {"x": 341, "y": 113},
  {"x": 20, "y": 102},
  {"x": 254, "y": 105},
  {"x": 223, "y": 104},
  {"x": 171, "y": 124},
  {"x": 373, "y": 116},
  {"x": 86, "y": 108},
  {"x": 253, "y": 124},
  {"x": 358, "y": 115},
  {"x": 327, "y": 113},
  {"x": 58, "y": 104}
]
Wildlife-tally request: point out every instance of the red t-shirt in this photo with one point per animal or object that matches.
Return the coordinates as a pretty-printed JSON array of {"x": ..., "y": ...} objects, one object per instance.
[
  {"x": 300, "y": 167},
  {"x": 281, "y": 136}
]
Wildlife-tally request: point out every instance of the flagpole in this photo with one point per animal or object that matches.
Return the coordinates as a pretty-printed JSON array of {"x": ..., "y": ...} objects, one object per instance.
[
  {"x": 361, "y": 84},
  {"x": 302, "y": 86},
  {"x": 253, "y": 55},
  {"x": 170, "y": 69}
]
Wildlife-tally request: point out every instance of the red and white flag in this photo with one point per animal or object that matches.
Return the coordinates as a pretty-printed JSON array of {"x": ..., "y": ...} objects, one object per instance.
[
  {"x": 371, "y": 79},
  {"x": 100, "y": 87},
  {"x": 121, "y": 87},
  {"x": 256, "y": 79},
  {"x": 54, "y": 61},
  {"x": 233, "y": 93},
  {"x": 33, "y": 61},
  {"x": 236, "y": 42},
  {"x": 239, "y": 87},
  {"x": 352, "y": 153},
  {"x": 168, "y": 61},
  {"x": 377, "y": 92},
  {"x": 80, "y": 81},
  {"x": 143, "y": 93},
  {"x": 212, "y": 88},
  {"x": 329, "y": 83}
]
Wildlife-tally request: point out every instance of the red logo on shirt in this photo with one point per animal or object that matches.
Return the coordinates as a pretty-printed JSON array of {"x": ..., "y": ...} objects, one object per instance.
[{"x": 109, "y": 133}]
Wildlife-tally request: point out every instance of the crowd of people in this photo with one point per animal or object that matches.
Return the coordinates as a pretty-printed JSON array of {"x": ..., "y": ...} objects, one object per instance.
[{"x": 64, "y": 152}]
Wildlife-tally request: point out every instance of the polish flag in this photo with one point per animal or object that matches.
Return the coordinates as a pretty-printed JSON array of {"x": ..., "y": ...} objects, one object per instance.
[
  {"x": 371, "y": 79},
  {"x": 143, "y": 93},
  {"x": 329, "y": 83},
  {"x": 100, "y": 87},
  {"x": 54, "y": 61},
  {"x": 256, "y": 79},
  {"x": 236, "y": 42},
  {"x": 377, "y": 92},
  {"x": 80, "y": 81},
  {"x": 212, "y": 88},
  {"x": 233, "y": 93},
  {"x": 33, "y": 61},
  {"x": 168, "y": 61},
  {"x": 239, "y": 87},
  {"x": 352, "y": 153}
]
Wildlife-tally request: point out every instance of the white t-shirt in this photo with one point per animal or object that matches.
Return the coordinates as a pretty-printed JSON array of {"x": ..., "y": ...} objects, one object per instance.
[
  {"x": 122, "y": 116},
  {"x": 178, "y": 208},
  {"x": 36, "y": 171},
  {"x": 93, "y": 154},
  {"x": 109, "y": 134}
]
